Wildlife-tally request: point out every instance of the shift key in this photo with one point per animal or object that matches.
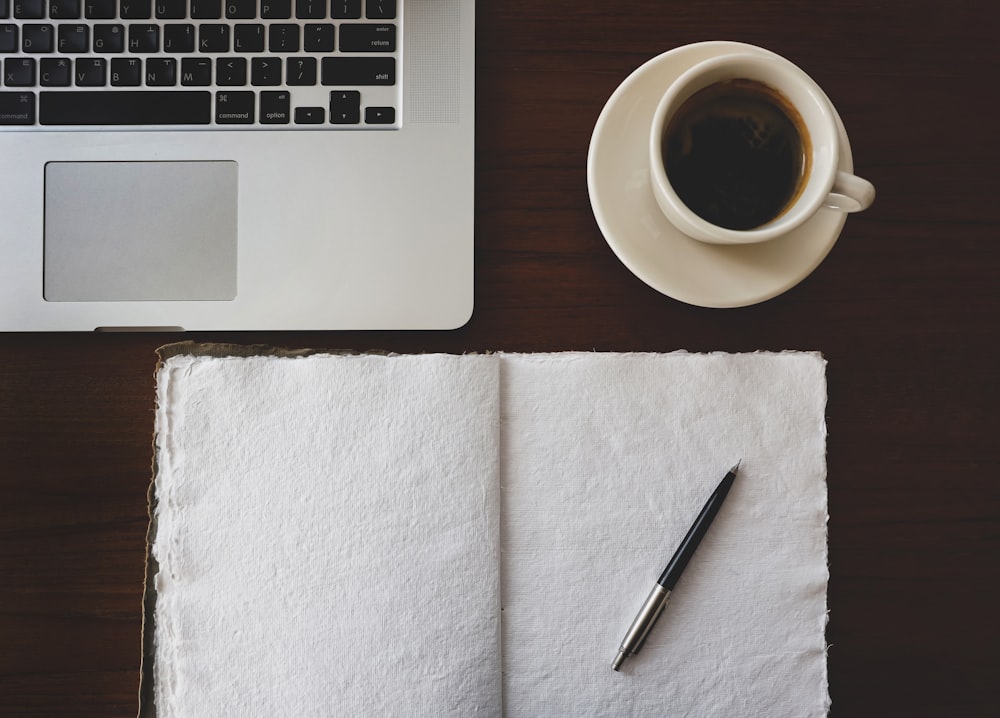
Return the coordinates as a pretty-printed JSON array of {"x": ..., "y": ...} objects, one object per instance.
[{"x": 347, "y": 71}]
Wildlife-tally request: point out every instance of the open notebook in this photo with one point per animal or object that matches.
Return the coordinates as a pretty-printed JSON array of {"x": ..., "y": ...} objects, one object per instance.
[{"x": 443, "y": 535}]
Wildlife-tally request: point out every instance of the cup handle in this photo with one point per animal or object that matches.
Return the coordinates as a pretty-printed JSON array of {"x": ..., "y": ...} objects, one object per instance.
[{"x": 850, "y": 193}]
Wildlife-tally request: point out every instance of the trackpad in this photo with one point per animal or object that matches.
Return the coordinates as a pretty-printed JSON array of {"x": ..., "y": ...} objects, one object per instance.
[{"x": 133, "y": 231}]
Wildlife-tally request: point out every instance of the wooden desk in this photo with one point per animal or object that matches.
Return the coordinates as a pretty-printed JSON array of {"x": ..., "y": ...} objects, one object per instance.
[{"x": 905, "y": 308}]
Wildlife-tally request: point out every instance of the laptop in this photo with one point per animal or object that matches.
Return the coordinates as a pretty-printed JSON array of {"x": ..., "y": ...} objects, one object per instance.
[{"x": 236, "y": 164}]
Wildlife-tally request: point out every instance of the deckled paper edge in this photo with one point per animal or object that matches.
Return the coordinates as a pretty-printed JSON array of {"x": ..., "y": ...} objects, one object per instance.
[
  {"x": 147, "y": 702},
  {"x": 827, "y": 700}
]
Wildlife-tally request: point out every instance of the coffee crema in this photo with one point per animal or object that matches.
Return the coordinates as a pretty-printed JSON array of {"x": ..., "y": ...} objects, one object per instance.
[{"x": 737, "y": 153}]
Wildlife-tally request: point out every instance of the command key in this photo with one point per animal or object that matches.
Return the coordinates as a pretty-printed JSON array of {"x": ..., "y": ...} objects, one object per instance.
[{"x": 17, "y": 108}]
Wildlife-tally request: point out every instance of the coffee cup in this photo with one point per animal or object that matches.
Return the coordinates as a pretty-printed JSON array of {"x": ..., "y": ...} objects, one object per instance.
[{"x": 745, "y": 148}]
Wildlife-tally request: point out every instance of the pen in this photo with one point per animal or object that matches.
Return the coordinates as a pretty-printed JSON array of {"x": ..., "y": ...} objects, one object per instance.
[{"x": 660, "y": 595}]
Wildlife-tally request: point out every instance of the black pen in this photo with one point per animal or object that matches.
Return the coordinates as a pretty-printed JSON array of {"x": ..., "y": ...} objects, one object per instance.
[{"x": 660, "y": 595}]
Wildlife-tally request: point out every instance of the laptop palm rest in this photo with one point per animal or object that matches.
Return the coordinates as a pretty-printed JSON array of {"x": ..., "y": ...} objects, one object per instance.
[{"x": 140, "y": 231}]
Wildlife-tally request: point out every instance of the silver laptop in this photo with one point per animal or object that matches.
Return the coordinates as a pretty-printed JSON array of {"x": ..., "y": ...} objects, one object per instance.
[{"x": 236, "y": 164}]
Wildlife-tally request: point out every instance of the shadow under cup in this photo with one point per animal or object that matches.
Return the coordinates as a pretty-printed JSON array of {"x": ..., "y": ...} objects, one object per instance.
[{"x": 743, "y": 149}]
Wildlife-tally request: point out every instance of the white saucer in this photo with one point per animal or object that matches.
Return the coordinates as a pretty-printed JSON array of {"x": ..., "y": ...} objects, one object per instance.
[{"x": 706, "y": 275}]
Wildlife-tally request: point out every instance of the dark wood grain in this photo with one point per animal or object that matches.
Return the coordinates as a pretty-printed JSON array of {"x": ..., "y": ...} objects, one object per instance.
[{"x": 906, "y": 309}]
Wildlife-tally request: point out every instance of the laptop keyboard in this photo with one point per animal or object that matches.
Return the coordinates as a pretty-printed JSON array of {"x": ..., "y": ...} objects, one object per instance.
[{"x": 230, "y": 64}]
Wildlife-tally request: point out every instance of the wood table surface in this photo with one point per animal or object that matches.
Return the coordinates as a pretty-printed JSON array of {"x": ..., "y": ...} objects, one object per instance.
[{"x": 906, "y": 309}]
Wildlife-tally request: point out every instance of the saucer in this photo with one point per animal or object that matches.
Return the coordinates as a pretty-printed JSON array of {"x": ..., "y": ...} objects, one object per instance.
[{"x": 698, "y": 273}]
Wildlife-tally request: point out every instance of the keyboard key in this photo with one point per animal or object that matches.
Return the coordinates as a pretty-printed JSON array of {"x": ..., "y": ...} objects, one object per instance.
[
  {"x": 213, "y": 38},
  {"x": 318, "y": 38},
  {"x": 109, "y": 38},
  {"x": 231, "y": 71},
  {"x": 206, "y": 9},
  {"x": 301, "y": 71},
  {"x": 136, "y": 9},
  {"x": 380, "y": 9},
  {"x": 144, "y": 38},
  {"x": 170, "y": 9},
  {"x": 54, "y": 72},
  {"x": 380, "y": 115},
  {"x": 276, "y": 9},
  {"x": 19, "y": 72},
  {"x": 241, "y": 9},
  {"x": 126, "y": 72},
  {"x": 90, "y": 72},
  {"x": 345, "y": 9},
  {"x": 359, "y": 71},
  {"x": 99, "y": 9},
  {"x": 64, "y": 9},
  {"x": 74, "y": 38},
  {"x": 126, "y": 107},
  {"x": 265, "y": 71},
  {"x": 178, "y": 38},
  {"x": 283, "y": 37},
  {"x": 310, "y": 9},
  {"x": 17, "y": 108},
  {"x": 345, "y": 107},
  {"x": 29, "y": 9},
  {"x": 8, "y": 38},
  {"x": 234, "y": 107},
  {"x": 196, "y": 71},
  {"x": 37, "y": 38},
  {"x": 248, "y": 38},
  {"x": 367, "y": 38},
  {"x": 309, "y": 115},
  {"x": 275, "y": 107},
  {"x": 161, "y": 72}
]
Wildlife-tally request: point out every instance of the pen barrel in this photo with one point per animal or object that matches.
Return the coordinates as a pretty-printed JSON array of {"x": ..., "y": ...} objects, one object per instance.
[
  {"x": 679, "y": 561},
  {"x": 651, "y": 609}
]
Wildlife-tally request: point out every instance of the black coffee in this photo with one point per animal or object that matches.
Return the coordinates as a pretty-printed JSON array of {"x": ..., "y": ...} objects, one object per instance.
[{"x": 736, "y": 153}]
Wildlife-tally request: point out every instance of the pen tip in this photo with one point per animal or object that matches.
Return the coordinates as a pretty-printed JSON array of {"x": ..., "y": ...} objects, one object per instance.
[{"x": 736, "y": 468}]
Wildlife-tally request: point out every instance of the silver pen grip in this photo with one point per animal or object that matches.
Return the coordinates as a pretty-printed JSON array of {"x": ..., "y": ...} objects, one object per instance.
[{"x": 643, "y": 622}]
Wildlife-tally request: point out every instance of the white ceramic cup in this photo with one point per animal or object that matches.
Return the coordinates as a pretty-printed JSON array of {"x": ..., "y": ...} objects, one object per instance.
[{"x": 823, "y": 184}]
